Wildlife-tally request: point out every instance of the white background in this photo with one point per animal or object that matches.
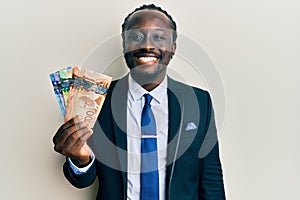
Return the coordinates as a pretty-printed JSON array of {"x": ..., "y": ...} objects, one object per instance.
[{"x": 254, "y": 44}]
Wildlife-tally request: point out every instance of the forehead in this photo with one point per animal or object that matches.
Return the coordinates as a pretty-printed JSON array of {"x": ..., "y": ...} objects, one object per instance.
[{"x": 148, "y": 18}]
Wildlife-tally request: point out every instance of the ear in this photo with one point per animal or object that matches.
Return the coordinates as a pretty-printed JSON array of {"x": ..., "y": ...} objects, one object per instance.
[
  {"x": 173, "y": 48},
  {"x": 123, "y": 41}
]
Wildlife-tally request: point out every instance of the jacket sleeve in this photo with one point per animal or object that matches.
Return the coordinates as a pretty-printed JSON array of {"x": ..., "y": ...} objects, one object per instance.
[
  {"x": 211, "y": 177},
  {"x": 80, "y": 180}
]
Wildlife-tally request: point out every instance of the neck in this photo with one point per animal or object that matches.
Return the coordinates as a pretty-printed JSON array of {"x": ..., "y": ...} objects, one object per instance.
[
  {"x": 151, "y": 86},
  {"x": 149, "y": 83}
]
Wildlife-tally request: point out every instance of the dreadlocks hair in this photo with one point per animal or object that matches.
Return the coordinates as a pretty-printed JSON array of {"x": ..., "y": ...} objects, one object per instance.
[{"x": 152, "y": 7}]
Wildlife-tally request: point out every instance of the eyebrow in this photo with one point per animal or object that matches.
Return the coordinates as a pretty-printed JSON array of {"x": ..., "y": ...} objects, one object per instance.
[{"x": 155, "y": 28}]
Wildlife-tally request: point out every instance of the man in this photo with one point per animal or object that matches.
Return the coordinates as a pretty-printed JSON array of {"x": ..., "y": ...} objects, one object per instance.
[{"x": 156, "y": 137}]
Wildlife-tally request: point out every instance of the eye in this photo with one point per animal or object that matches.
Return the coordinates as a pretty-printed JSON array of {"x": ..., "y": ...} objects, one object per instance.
[
  {"x": 159, "y": 37},
  {"x": 137, "y": 36}
]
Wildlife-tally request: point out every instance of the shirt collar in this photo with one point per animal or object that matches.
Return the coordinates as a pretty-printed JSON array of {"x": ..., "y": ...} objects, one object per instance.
[{"x": 136, "y": 91}]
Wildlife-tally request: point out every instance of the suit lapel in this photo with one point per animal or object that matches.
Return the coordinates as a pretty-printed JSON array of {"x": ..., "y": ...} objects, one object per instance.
[
  {"x": 183, "y": 108},
  {"x": 174, "y": 101},
  {"x": 175, "y": 117},
  {"x": 119, "y": 114}
]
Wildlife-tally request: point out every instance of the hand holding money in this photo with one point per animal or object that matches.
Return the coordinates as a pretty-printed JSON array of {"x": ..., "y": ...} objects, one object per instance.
[
  {"x": 80, "y": 94},
  {"x": 70, "y": 140}
]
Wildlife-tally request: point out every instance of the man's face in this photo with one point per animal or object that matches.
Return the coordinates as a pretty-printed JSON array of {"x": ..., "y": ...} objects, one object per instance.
[{"x": 148, "y": 45}]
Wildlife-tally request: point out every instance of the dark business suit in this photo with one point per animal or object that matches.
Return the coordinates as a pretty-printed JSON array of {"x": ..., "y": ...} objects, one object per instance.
[{"x": 196, "y": 172}]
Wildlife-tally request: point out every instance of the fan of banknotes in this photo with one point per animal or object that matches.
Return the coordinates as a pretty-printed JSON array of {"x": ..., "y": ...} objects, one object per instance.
[{"x": 80, "y": 92}]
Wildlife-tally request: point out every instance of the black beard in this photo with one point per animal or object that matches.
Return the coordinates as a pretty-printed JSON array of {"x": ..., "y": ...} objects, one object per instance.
[{"x": 144, "y": 78}]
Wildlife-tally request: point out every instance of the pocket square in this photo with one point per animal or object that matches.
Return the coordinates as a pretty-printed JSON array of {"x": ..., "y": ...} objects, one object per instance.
[{"x": 190, "y": 126}]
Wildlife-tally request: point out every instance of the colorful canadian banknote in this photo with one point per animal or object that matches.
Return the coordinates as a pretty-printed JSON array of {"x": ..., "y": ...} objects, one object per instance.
[
  {"x": 83, "y": 94},
  {"x": 66, "y": 80},
  {"x": 56, "y": 83}
]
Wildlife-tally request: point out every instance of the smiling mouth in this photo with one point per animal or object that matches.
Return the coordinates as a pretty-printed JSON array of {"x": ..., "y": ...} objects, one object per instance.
[{"x": 147, "y": 60}]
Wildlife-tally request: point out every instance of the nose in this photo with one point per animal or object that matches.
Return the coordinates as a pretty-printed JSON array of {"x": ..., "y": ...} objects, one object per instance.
[{"x": 147, "y": 43}]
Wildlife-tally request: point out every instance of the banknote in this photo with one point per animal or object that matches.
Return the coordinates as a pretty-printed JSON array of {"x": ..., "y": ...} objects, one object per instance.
[
  {"x": 72, "y": 92},
  {"x": 87, "y": 94},
  {"x": 66, "y": 80},
  {"x": 56, "y": 83}
]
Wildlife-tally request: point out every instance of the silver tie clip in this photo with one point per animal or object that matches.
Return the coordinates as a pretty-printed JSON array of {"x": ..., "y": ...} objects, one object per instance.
[{"x": 149, "y": 136}]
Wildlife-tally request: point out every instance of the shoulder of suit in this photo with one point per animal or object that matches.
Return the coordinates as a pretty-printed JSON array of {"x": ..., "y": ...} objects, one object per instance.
[
  {"x": 122, "y": 82},
  {"x": 186, "y": 87}
]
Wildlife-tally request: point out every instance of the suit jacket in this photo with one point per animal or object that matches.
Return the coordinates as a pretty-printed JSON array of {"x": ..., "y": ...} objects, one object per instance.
[{"x": 194, "y": 168}]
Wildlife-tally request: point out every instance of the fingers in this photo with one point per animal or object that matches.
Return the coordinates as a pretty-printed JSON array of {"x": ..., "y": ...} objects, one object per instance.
[
  {"x": 71, "y": 137},
  {"x": 74, "y": 132},
  {"x": 74, "y": 144},
  {"x": 78, "y": 137},
  {"x": 84, "y": 137},
  {"x": 63, "y": 127},
  {"x": 80, "y": 143}
]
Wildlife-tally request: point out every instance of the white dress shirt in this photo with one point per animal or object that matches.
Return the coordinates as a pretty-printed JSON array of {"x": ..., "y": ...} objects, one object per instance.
[
  {"x": 159, "y": 106},
  {"x": 135, "y": 104}
]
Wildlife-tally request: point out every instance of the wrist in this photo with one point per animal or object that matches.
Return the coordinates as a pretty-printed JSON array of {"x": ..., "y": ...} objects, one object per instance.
[{"x": 82, "y": 162}]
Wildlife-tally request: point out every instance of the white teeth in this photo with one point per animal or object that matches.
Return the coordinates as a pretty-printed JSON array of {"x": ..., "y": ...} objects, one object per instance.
[{"x": 147, "y": 59}]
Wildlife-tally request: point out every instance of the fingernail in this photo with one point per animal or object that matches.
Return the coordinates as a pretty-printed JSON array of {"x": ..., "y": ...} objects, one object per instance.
[
  {"x": 86, "y": 123},
  {"x": 82, "y": 124}
]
